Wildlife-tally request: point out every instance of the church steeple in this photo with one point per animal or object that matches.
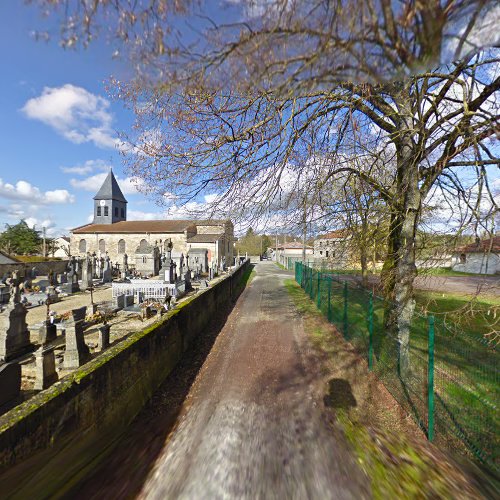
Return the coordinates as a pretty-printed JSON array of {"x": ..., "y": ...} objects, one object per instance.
[{"x": 109, "y": 203}]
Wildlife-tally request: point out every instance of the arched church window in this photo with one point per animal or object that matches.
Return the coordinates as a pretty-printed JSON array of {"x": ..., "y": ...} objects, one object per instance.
[
  {"x": 102, "y": 246},
  {"x": 82, "y": 246},
  {"x": 121, "y": 246},
  {"x": 106, "y": 211},
  {"x": 143, "y": 244}
]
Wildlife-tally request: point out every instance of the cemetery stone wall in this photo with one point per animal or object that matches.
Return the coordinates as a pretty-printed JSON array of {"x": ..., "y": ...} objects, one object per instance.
[{"x": 47, "y": 441}]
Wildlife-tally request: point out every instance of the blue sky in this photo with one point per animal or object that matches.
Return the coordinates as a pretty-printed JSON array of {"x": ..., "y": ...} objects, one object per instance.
[{"x": 58, "y": 128}]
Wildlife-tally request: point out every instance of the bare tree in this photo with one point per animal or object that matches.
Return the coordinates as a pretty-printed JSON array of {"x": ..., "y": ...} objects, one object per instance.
[{"x": 230, "y": 108}]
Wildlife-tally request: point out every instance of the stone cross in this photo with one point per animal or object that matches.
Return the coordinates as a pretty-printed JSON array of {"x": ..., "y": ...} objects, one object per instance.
[
  {"x": 46, "y": 373},
  {"x": 14, "y": 333},
  {"x": 77, "y": 351},
  {"x": 10, "y": 382}
]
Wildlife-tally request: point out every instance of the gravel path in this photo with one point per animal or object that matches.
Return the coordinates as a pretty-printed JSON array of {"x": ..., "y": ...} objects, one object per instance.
[
  {"x": 242, "y": 416},
  {"x": 255, "y": 427},
  {"x": 38, "y": 314}
]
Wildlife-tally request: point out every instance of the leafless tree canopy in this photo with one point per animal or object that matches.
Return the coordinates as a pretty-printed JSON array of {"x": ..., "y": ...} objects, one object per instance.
[{"x": 269, "y": 104}]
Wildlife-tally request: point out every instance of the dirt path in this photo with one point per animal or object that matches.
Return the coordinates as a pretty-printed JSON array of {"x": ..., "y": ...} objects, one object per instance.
[{"x": 252, "y": 425}]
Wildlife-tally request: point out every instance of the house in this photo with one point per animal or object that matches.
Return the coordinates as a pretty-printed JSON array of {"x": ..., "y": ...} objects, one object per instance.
[
  {"x": 335, "y": 248},
  {"x": 481, "y": 257},
  {"x": 112, "y": 234},
  {"x": 61, "y": 247},
  {"x": 289, "y": 253}
]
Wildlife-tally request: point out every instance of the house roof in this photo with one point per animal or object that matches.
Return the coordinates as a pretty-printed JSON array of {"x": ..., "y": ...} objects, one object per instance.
[
  {"x": 205, "y": 238},
  {"x": 491, "y": 244},
  {"x": 7, "y": 259},
  {"x": 211, "y": 222},
  {"x": 110, "y": 190},
  {"x": 293, "y": 245},
  {"x": 137, "y": 226},
  {"x": 339, "y": 233}
]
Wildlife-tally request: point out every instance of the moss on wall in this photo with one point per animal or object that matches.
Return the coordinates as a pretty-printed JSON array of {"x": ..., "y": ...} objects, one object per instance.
[{"x": 51, "y": 439}]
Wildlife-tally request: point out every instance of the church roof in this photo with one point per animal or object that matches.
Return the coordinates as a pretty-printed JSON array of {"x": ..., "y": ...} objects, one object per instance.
[
  {"x": 110, "y": 190},
  {"x": 205, "y": 238},
  {"x": 138, "y": 226}
]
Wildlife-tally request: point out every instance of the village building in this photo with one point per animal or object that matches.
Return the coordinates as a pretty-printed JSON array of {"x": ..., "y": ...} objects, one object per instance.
[
  {"x": 61, "y": 248},
  {"x": 289, "y": 253},
  {"x": 335, "y": 248},
  {"x": 113, "y": 235},
  {"x": 7, "y": 259},
  {"x": 481, "y": 257}
]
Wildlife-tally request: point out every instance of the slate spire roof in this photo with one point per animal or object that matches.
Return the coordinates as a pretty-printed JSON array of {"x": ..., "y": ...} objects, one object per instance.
[{"x": 110, "y": 190}]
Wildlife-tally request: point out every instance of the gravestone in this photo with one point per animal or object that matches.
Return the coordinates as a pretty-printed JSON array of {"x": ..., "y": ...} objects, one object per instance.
[
  {"x": 72, "y": 285},
  {"x": 14, "y": 333},
  {"x": 106, "y": 273},
  {"x": 4, "y": 294},
  {"x": 47, "y": 333},
  {"x": 46, "y": 373},
  {"x": 77, "y": 351},
  {"x": 129, "y": 300},
  {"x": 86, "y": 273},
  {"x": 104, "y": 337},
  {"x": 52, "y": 294},
  {"x": 119, "y": 301},
  {"x": 187, "y": 279},
  {"x": 124, "y": 266},
  {"x": 10, "y": 382}
]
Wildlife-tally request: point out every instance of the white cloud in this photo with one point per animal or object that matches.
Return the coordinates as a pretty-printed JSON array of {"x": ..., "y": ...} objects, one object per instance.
[
  {"x": 34, "y": 222},
  {"x": 139, "y": 215},
  {"x": 24, "y": 191},
  {"x": 87, "y": 167},
  {"x": 94, "y": 182},
  {"x": 75, "y": 113}
]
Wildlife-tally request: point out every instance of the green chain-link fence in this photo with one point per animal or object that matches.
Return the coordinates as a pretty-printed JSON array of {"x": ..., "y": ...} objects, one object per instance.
[{"x": 451, "y": 385}]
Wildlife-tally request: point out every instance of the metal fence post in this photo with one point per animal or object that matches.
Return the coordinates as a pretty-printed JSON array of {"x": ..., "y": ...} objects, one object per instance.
[
  {"x": 330, "y": 299},
  {"x": 430, "y": 382},
  {"x": 370, "y": 332},
  {"x": 318, "y": 298},
  {"x": 345, "y": 309}
]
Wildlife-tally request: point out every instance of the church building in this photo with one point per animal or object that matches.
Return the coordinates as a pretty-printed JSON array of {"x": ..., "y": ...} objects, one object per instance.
[{"x": 111, "y": 233}]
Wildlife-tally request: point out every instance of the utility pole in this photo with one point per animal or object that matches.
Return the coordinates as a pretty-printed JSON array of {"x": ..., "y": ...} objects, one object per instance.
[
  {"x": 304, "y": 233},
  {"x": 44, "y": 250},
  {"x": 276, "y": 253}
]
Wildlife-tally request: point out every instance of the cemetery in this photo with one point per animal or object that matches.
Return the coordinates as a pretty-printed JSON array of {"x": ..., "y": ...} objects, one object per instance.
[
  {"x": 52, "y": 325},
  {"x": 147, "y": 354}
]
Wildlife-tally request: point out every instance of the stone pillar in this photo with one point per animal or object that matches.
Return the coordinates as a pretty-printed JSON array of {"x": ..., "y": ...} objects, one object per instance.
[
  {"x": 77, "y": 351},
  {"x": 46, "y": 373},
  {"x": 14, "y": 333},
  {"x": 47, "y": 333},
  {"x": 104, "y": 337},
  {"x": 10, "y": 382}
]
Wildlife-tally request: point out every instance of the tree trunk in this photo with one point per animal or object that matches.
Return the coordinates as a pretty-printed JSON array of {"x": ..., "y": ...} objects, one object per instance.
[
  {"x": 363, "y": 253},
  {"x": 399, "y": 267}
]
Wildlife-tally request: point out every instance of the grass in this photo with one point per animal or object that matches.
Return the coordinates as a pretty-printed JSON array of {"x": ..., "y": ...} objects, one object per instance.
[
  {"x": 466, "y": 367},
  {"x": 35, "y": 258},
  {"x": 397, "y": 464},
  {"x": 444, "y": 271}
]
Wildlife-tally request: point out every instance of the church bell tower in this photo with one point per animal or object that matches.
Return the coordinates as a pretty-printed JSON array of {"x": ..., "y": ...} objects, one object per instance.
[{"x": 110, "y": 205}]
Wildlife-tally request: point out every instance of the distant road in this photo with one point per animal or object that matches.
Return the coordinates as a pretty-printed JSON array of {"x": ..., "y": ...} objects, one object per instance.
[{"x": 469, "y": 285}]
